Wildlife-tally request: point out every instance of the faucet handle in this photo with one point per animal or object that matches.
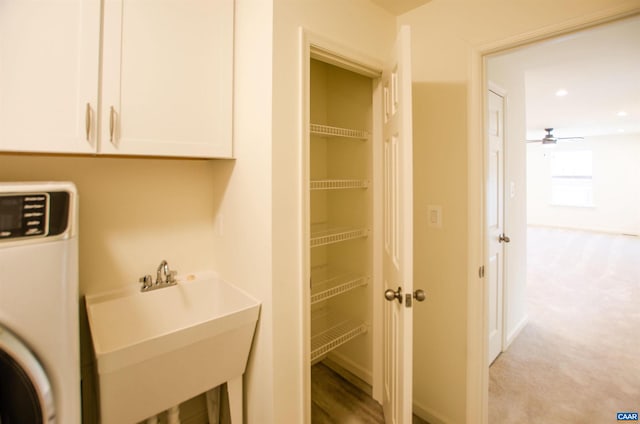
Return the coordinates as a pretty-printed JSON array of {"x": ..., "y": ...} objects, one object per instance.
[
  {"x": 171, "y": 277},
  {"x": 147, "y": 282}
]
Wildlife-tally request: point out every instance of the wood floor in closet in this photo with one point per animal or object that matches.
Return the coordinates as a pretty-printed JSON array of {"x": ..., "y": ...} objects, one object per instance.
[{"x": 334, "y": 400}]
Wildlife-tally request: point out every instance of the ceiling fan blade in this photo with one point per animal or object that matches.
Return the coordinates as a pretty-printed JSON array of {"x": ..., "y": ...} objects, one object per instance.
[
  {"x": 570, "y": 138},
  {"x": 533, "y": 141}
]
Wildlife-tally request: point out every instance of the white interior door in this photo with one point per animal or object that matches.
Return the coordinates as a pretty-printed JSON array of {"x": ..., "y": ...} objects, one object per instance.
[
  {"x": 398, "y": 235},
  {"x": 495, "y": 223}
]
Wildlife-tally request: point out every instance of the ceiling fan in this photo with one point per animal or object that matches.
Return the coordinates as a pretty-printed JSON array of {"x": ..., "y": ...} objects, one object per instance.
[{"x": 550, "y": 139}]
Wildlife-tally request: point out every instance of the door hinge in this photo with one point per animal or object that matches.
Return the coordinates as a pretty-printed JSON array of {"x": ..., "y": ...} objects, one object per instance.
[
  {"x": 481, "y": 272},
  {"x": 408, "y": 299}
]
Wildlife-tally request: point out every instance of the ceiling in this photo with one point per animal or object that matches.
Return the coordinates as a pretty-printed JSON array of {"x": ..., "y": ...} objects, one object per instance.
[
  {"x": 600, "y": 71},
  {"x": 398, "y": 7}
]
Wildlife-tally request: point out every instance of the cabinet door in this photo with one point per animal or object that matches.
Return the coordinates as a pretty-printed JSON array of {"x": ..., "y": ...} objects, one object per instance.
[
  {"x": 49, "y": 75},
  {"x": 167, "y": 78}
]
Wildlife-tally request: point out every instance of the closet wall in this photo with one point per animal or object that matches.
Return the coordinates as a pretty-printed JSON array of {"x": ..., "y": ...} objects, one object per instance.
[{"x": 341, "y": 218}]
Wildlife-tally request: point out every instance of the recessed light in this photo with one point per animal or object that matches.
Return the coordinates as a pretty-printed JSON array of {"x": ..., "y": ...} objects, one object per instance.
[
  {"x": 620, "y": 130},
  {"x": 562, "y": 92},
  {"x": 622, "y": 113}
]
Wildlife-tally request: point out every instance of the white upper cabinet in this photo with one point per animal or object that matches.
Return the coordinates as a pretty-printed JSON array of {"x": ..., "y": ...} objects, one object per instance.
[
  {"x": 49, "y": 64},
  {"x": 167, "y": 78},
  {"x": 166, "y": 85}
]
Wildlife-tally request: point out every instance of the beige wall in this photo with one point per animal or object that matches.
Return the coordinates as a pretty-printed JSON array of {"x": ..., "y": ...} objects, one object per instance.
[
  {"x": 444, "y": 36},
  {"x": 242, "y": 251},
  {"x": 133, "y": 212},
  {"x": 616, "y": 186},
  {"x": 440, "y": 254}
]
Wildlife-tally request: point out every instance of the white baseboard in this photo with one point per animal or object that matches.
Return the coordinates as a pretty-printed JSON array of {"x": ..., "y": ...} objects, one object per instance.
[
  {"x": 516, "y": 331},
  {"x": 429, "y": 415},
  {"x": 355, "y": 369}
]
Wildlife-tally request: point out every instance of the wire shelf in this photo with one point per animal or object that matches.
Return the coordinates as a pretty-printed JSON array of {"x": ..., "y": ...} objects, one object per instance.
[
  {"x": 336, "y": 235},
  {"x": 324, "y": 286},
  {"x": 326, "y": 130},
  {"x": 335, "y": 335},
  {"x": 338, "y": 184}
]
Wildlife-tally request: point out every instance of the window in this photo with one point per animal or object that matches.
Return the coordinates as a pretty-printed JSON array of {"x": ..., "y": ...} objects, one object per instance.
[{"x": 572, "y": 179}]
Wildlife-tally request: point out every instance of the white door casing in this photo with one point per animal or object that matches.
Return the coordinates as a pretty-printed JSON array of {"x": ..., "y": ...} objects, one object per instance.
[
  {"x": 495, "y": 223},
  {"x": 398, "y": 233}
]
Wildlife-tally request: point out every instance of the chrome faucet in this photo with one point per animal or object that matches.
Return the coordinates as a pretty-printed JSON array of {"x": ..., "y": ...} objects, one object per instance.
[
  {"x": 164, "y": 278},
  {"x": 162, "y": 272}
]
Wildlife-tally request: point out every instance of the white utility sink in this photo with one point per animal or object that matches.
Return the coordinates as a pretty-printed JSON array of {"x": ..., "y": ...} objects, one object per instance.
[{"x": 159, "y": 348}]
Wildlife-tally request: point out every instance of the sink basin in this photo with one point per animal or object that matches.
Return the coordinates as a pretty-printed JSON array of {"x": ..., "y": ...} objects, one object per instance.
[{"x": 159, "y": 348}]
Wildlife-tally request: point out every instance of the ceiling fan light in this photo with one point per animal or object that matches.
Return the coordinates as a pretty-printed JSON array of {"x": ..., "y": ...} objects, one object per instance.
[{"x": 562, "y": 92}]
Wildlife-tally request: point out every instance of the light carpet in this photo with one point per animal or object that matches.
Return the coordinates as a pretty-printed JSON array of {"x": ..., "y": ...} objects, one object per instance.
[{"x": 578, "y": 358}]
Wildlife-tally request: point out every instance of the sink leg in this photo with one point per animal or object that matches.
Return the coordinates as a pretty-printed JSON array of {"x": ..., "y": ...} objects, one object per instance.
[
  {"x": 213, "y": 405},
  {"x": 234, "y": 387}
]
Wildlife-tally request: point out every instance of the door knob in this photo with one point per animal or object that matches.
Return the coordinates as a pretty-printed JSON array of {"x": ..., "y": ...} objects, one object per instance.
[
  {"x": 419, "y": 295},
  {"x": 503, "y": 238},
  {"x": 391, "y": 294}
]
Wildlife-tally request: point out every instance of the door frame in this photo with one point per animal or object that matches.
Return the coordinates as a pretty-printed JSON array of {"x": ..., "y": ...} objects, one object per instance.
[
  {"x": 477, "y": 298},
  {"x": 328, "y": 51}
]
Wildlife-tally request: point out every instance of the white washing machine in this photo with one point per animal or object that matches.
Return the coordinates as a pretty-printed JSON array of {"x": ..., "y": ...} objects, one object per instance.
[{"x": 39, "y": 335}]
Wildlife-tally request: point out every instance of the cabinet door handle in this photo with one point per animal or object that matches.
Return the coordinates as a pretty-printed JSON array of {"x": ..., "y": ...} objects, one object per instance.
[
  {"x": 87, "y": 121},
  {"x": 112, "y": 123}
]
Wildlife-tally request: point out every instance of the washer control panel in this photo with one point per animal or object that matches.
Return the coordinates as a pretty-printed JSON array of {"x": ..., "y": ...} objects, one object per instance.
[{"x": 33, "y": 214}]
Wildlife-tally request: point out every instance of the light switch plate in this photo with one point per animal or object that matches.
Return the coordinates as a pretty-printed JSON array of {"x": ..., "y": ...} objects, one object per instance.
[{"x": 434, "y": 216}]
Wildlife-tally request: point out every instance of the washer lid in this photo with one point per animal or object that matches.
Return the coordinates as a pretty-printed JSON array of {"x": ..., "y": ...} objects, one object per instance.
[{"x": 25, "y": 390}]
